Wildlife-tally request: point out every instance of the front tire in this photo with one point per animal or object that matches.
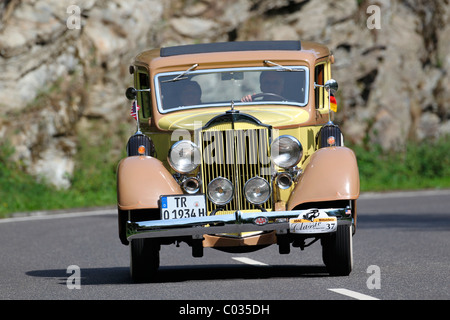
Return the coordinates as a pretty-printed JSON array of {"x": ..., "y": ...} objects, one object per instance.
[
  {"x": 337, "y": 251},
  {"x": 144, "y": 260}
]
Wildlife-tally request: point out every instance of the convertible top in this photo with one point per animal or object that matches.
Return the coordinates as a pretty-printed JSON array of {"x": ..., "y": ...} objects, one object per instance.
[
  {"x": 230, "y": 46},
  {"x": 288, "y": 49}
]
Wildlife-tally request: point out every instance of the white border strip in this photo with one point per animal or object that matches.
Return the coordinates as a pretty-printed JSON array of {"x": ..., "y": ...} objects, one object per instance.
[{"x": 353, "y": 294}]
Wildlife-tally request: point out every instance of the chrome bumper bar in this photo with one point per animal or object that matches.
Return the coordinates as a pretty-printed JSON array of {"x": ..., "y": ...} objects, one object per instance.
[{"x": 227, "y": 223}]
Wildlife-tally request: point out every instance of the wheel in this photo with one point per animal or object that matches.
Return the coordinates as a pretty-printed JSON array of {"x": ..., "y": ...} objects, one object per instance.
[
  {"x": 144, "y": 259},
  {"x": 337, "y": 251}
]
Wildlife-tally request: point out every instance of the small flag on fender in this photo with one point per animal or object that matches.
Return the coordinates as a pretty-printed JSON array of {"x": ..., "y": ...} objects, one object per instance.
[
  {"x": 134, "y": 110},
  {"x": 333, "y": 103}
]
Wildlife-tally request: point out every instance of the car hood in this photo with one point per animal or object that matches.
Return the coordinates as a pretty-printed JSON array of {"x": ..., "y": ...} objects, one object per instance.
[{"x": 275, "y": 116}]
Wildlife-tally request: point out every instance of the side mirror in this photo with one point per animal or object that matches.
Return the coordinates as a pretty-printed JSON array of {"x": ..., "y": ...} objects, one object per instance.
[
  {"x": 131, "y": 93},
  {"x": 331, "y": 85}
]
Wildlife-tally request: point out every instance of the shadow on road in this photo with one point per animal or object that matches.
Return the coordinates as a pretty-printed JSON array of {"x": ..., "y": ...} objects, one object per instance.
[{"x": 167, "y": 274}]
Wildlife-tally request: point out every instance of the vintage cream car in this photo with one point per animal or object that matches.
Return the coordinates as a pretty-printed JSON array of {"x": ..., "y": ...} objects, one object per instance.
[{"x": 235, "y": 150}]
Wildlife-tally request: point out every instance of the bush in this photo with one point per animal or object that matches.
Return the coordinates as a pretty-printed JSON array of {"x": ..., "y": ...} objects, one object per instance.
[
  {"x": 419, "y": 166},
  {"x": 93, "y": 182}
]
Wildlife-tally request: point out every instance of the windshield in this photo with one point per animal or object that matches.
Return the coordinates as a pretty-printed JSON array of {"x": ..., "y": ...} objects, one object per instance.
[{"x": 244, "y": 86}]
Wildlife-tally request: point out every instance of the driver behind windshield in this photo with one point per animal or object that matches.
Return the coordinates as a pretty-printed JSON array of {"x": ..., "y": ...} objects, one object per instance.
[
  {"x": 270, "y": 83},
  {"x": 190, "y": 93}
]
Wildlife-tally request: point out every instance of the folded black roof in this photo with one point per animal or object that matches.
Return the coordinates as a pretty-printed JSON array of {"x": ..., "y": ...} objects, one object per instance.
[{"x": 231, "y": 46}]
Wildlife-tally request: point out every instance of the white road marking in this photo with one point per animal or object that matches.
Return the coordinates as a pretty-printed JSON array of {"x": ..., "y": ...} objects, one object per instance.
[
  {"x": 249, "y": 261},
  {"x": 353, "y": 294},
  {"x": 45, "y": 215},
  {"x": 346, "y": 292}
]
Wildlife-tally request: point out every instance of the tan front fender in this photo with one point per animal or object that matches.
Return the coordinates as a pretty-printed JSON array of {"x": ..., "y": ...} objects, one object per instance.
[
  {"x": 140, "y": 182},
  {"x": 332, "y": 174}
]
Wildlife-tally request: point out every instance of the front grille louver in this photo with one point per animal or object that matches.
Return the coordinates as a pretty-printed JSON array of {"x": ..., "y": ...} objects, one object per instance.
[{"x": 237, "y": 155}]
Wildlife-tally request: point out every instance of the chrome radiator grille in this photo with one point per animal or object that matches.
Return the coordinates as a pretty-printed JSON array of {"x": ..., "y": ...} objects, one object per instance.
[{"x": 237, "y": 155}]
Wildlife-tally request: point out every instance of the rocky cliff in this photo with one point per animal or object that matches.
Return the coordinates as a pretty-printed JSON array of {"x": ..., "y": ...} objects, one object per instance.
[{"x": 64, "y": 64}]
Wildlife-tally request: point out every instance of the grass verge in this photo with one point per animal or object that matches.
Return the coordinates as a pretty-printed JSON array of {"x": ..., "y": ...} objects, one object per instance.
[
  {"x": 93, "y": 182},
  {"x": 418, "y": 166}
]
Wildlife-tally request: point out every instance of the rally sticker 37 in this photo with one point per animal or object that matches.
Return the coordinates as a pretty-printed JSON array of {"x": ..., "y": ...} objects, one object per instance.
[{"x": 315, "y": 221}]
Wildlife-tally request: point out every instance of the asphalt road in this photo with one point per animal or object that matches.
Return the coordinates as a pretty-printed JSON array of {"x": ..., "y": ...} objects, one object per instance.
[{"x": 401, "y": 252}]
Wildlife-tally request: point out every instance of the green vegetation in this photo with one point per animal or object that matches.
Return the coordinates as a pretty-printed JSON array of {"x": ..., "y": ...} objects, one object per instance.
[
  {"x": 93, "y": 182},
  {"x": 420, "y": 166}
]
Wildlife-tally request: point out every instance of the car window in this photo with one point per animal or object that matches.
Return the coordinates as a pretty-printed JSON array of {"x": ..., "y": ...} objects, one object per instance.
[
  {"x": 321, "y": 75},
  {"x": 143, "y": 98},
  {"x": 319, "y": 80},
  {"x": 216, "y": 88}
]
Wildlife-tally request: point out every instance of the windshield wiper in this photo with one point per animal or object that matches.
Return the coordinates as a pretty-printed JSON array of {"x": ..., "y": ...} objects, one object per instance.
[
  {"x": 181, "y": 75},
  {"x": 280, "y": 66}
]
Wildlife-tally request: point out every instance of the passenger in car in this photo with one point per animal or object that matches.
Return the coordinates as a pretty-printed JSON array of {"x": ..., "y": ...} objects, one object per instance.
[
  {"x": 271, "y": 82},
  {"x": 190, "y": 93}
]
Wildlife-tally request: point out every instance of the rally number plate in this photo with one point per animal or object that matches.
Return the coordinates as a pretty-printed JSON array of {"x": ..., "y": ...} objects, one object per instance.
[
  {"x": 183, "y": 207},
  {"x": 315, "y": 221}
]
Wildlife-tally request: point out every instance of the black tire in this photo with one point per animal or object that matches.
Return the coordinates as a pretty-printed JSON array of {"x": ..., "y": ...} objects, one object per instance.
[
  {"x": 144, "y": 260},
  {"x": 337, "y": 251}
]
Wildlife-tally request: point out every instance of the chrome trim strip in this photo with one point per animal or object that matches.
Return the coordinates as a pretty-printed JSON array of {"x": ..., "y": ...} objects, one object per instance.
[{"x": 227, "y": 223}]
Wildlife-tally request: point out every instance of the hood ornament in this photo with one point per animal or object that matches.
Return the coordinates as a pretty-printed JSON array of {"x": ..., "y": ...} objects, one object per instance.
[{"x": 232, "y": 110}]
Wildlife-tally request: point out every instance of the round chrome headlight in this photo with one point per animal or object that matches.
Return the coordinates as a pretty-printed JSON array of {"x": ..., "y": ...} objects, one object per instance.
[
  {"x": 286, "y": 151},
  {"x": 257, "y": 190},
  {"x": 184, "y": 156},
  {"x": 220, "y": 191}
]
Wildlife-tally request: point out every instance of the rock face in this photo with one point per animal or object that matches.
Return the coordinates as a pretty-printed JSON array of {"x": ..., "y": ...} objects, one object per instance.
[{"x": 64, "y": 67}]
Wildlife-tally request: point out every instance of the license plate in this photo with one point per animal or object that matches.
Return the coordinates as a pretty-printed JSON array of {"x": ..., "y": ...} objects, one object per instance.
[
  {"x": 183, "y": 207},
  {"x": 315, "y": 221}
]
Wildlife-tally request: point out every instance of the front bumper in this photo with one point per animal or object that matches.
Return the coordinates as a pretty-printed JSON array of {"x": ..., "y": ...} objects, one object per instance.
[{"x": 238, "y": 222}]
